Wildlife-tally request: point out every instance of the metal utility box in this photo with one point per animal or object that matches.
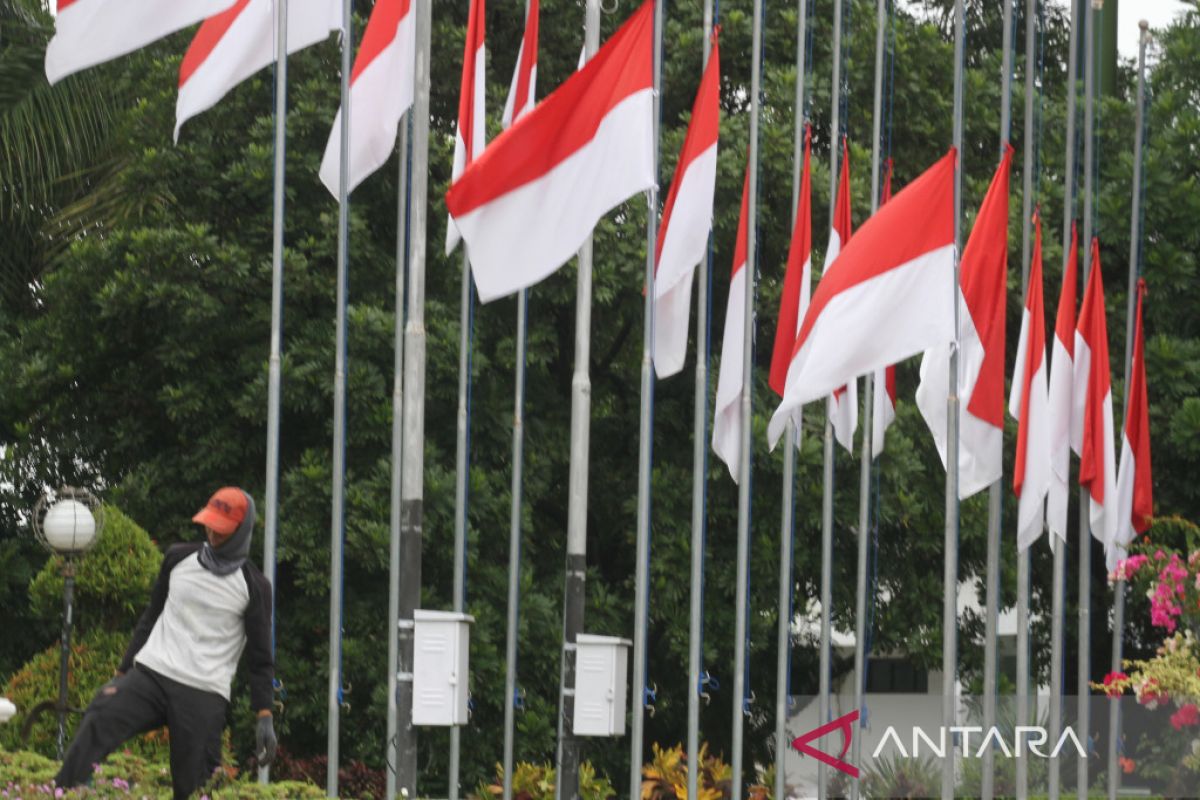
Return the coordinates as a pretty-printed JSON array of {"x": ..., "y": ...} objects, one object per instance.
[
  {"x": 441, "y": 654},
  {"x": 601, "y": 665}
]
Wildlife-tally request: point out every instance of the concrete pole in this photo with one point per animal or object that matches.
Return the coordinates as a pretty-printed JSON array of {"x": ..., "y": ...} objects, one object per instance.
[
  {"x": 412, "y": 486},
  {"x": 567, "y": 774}
]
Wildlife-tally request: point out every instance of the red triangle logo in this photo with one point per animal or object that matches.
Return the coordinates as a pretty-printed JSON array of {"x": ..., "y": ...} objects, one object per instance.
[{"x": 844, "y": 723}]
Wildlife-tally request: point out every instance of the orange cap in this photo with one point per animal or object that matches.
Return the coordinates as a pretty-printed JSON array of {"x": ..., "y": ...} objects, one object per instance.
[{"x": 225, "y": 510}]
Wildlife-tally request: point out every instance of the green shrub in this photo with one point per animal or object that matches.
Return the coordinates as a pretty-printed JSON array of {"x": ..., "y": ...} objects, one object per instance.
[
  {"x": 112, "y": 582},
  {"x": 536, "y": 782},
  {"x": 94, "y": 657},
  {"x": 127, "y": 775}
]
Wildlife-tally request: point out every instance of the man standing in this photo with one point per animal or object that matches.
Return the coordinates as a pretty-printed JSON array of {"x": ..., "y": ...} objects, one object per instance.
[{"x": 208, "y": 605}]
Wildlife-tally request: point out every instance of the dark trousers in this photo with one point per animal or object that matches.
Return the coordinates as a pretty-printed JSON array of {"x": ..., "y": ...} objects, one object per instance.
[{"x": 140, "y": 701}]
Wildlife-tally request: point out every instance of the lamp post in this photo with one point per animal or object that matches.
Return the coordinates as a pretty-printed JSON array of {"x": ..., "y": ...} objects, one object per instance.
[{"x": 68, "y": 524}]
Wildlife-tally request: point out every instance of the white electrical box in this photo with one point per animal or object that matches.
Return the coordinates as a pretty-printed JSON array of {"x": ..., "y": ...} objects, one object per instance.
[
  {"x": 601, "y": 664},
  {"x": 441, "y": 654}
]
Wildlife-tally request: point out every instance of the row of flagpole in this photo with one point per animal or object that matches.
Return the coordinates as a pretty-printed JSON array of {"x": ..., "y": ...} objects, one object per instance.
[{"x": 409, "y": 395}]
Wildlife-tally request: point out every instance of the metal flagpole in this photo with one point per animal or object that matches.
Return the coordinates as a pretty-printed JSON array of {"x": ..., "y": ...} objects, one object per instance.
[
  {"x": 835, "y": 151},
  {"x": 514, "y": 542},
  {"x": 1029, "y": 167},
  {"x": 641, "y": 605},
  {"x": 567, "y": 762},
  {"x": 743, "y": 538},
  {"x": 461, "y": 478},
  {"x": 397, "y": 458},
  {"x": 864, "y": 478},
  {"x": 1085, "y": 532},
  {"x": 783, "y": 636},
  {"x": 412, "y": 487},
  {"x": 275, "y": 360},
  {"x": 995, "y": 499},
  {"x": 337, "y": 533},
  {"x": 699, "y": 464},
  {"x": 1135, "y": 247},
  {"x": 1058, "y": 610},
  {"x": 950, "y": 568}
]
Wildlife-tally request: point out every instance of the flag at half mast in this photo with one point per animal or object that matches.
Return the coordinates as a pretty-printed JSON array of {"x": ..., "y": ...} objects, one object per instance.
[
  {"x": 470, "y": 135},
  {"x": 891, "y": 296},
  {"x": 727, "y": 416},
  {"x": 1062, "y": 371},
  {"x": 523, "y": 91},
  {"x": 1135, "y": 493},
  {"x": 842, "y": 404},
  {"x": 519, "y": 207},
  {"x": 686, "y": 223}
]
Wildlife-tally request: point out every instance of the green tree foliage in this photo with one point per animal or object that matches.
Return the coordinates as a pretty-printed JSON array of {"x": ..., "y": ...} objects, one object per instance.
[{"x": 137, "y": 362}]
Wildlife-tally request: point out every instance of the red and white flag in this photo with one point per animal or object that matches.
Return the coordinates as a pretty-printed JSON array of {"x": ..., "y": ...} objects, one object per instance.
[
  {"x": 727, "y": 419},
  {"x": 469, "y": 136},
  {"x": 519, "y": 205},
  {"x": 381, "y": 90},
  {"x": 1062, "y": 376},
  {"x": 522, "y": 92},
  {"x": 238, "y": 42},
  {"x": 891, "y": 296},
  {"x": 1092, "y": 414},
  {"x": 797, "y": 283},
  {"x": 883, "y": 401},
  {"x": 983, "y": 283},
  {"x": 90, "y": 32},
  {"x": 686, "y": 222},
  {"x": 1029, "y": 403},
  {"x": 842, "y": 404},
  {"x": 1135, "y": 494}
]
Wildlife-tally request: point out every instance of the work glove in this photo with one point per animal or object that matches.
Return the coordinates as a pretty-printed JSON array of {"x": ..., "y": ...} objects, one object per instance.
[{"x": 265, "y": 741}]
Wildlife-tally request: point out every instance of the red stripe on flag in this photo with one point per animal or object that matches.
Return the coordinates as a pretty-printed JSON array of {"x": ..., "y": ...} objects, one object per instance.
[
  {"x": 1064, "y": 323},
  {"x": 739, "y": 247},
  {"x": 1094, "y": 329},
  {"x": 529, "y": 48},
  {"x": 563, "y": 123},
  {"x": 207, "y": 37},
  {"x": 466, "y": 93},
  {"x": 1034, "y": 355},
  {"x": 1137, "y": 426},
  {"x": 984, "y": 280}
]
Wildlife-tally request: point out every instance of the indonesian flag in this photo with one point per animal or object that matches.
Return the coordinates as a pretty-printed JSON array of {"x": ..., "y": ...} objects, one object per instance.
[
  {"x": 686, "y": 222},
  {"x": 520, "y": 205},
  {"x": 1029, "y": 402},
  {"x": 381, "y": 90},
  {"x": 524, "y": 83},
  {"x": 1092, "y": 415},
  {"x": 90, "y": 32},
  {"x": 727, "y": 422},
  {"x": 883, "y": 401},
  {"x": 1062, "y": 376},
  {"x": 982, "y": 288},
  {"x": 797, "y": 282},
  {"x": 842, "y": 405},
  {"x": 1135, "y": 497},
  {"x": 469, "y": 136},
  {"x": 890, "y": 297},
  {"x": 240, "y": 41}
]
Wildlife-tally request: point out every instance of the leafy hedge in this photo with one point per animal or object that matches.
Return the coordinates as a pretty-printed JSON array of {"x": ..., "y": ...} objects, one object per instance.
[{"x": 126, "y": 775}]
